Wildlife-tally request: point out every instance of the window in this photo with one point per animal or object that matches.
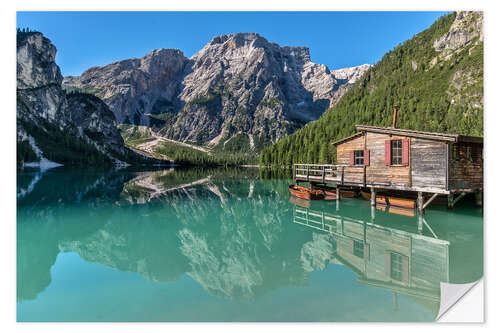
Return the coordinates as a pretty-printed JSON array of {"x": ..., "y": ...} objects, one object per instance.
[
  {"x": 359, "y": 249},
  {"x": 396, "y": 266},
  {"x": 454, "y": 153},
  {"x": 468, "y": 152},
  {"x": 396, "y": 152},
  {"x": 359, "y": 157}
]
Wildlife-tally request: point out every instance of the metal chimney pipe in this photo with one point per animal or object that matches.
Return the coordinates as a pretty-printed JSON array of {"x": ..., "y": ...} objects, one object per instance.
[{"x": 395, "y": 116}]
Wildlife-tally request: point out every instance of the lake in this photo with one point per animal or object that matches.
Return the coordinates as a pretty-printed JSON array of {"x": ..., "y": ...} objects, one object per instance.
[{"x": 228, "y": 245}]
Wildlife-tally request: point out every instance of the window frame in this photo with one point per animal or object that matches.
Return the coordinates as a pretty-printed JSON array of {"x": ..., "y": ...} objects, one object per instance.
[
  {"x": 358, "y": 248},
  {"x": 397, "y": 149},
  {"x": 468, "y": 153},
  {"x": 359, "y": 158},
  {"x": 396, "y": 269}
]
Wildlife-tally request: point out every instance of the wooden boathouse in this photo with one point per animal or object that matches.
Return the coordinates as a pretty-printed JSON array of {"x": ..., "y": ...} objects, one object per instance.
[{"x": 399, "y": 160}]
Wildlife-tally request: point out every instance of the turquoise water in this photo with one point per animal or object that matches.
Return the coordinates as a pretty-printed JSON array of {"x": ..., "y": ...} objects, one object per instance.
[{"x": 228, "y": 245}]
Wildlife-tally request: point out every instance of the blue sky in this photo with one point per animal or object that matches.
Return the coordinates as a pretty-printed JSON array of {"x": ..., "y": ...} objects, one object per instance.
[{"x": 336, "y": 39}]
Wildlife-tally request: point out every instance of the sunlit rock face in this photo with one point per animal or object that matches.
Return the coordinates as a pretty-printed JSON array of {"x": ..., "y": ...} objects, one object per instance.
[
  {"x": 135, "y": 87},
  {"x": 46, "y": 115},
  {"x": 238, "y": 87},
  {"x": 467, "y": 26},
  {"x": 465, "y": 32}
]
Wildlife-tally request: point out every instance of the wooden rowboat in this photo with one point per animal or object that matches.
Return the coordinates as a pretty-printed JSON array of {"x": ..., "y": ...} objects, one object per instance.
[
  {"x": 381, "y": 200},
  {"x": 401, "y": 202},
  {"x": 330, "y": 197},
  {"x": 366, "y": 195},
  {"x": 329, "y": 192},
  {"x": 305, "y": 193},
  {"x": 347, "y": 194}
]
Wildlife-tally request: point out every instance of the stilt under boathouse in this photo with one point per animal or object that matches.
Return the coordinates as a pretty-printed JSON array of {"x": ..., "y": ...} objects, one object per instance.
[{"x": 401, "y": 161}]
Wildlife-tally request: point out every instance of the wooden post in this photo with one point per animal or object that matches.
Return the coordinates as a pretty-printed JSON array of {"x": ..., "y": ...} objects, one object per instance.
[
  {"x": 450, "y": 201},
  {"x": 337, "y": 192},
  {"x": 342, "y": 176},
  {"x": 373, "y": 198},
  {"x": 479, "y": 198},
  {"x": 373, "y": 213},
  {"x": 420, "y": 203},
  {"x": 323, "y": 169},
  {"x": 364, "y": 175},
  {"x": 395, "y": 300},
  {"x": 420, "y": 224}
]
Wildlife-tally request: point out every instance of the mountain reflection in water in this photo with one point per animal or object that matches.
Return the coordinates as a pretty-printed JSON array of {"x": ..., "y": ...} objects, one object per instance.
[{"x": 239, "y": 237}]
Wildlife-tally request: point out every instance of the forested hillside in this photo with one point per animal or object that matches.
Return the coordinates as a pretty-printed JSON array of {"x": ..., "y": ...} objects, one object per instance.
[{"x": 436, "y": 78}]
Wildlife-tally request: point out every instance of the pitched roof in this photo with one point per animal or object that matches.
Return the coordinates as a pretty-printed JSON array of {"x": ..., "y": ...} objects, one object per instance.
[
  {"x": 347, "y": 138},
  {"x": 412, "y": 133}
]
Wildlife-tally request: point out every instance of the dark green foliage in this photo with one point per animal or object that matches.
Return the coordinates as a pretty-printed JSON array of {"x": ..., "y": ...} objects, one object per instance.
[
  {"x": 210, "y": 102},
  {"x": 238, "y": 143},
  {"x": 189, "y": 156},
  {"x": 63, "y": 147},
  {"x": 88, "y": 90},
  {"x": 423, "y": 95},
  {"x": 163, "y": 116},
  {"x": 25, "y": 153}
]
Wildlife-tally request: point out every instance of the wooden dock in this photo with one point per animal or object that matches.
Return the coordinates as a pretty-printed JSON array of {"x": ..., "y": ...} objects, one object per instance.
[{"x": 355, "y": 177}]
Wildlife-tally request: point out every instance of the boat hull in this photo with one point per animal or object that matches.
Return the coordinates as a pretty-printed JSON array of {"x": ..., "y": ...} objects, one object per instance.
[
  {"x": 381, "y": 200},
  {"x": 366, "y": 195},
  {"x": 305, "y": 193},
  {"x": 330, "y": 193},
  {"x": 347, "y": 194},
  {"x": 402, "y": 202}
]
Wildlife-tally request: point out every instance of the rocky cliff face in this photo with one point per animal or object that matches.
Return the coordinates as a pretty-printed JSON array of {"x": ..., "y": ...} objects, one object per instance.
[
  {"x": 238, "y": 88},
  {"x": 465, "y": 28},
  {"x": 134, "y": 88},
  {"x": 465, "y": 35},
  {"x": 54, "y": 126}
]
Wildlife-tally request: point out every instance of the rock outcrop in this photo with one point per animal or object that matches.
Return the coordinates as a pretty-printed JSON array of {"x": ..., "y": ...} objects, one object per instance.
[
  {"x": 53, "y": 126},
  {"x": 134, "y": 88},
  {"x": 465, "y": 28},
  {"x": 239, "y": 88},
  {"x": 465, "y": 88}
]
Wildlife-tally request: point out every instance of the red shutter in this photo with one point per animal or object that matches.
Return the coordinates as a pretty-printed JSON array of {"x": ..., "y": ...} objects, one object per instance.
[
  {"x": 351, "y": 158},
  {"x": 387, "y": 152},
  {"x": 366, "y": 157},
  {"x": 405, "y": 156}
]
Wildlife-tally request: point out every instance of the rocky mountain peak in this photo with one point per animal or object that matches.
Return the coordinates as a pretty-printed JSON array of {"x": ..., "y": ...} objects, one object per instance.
[
  {"x": 351, "y": 74},
  {"x": 53, "y": 125},
  {"x": 36, "y": 65},
  {"x": 238, "y": 87}
]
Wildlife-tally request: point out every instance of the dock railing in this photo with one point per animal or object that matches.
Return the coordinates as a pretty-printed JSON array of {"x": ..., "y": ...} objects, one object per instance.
[{"x": 330, "y": 173}]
